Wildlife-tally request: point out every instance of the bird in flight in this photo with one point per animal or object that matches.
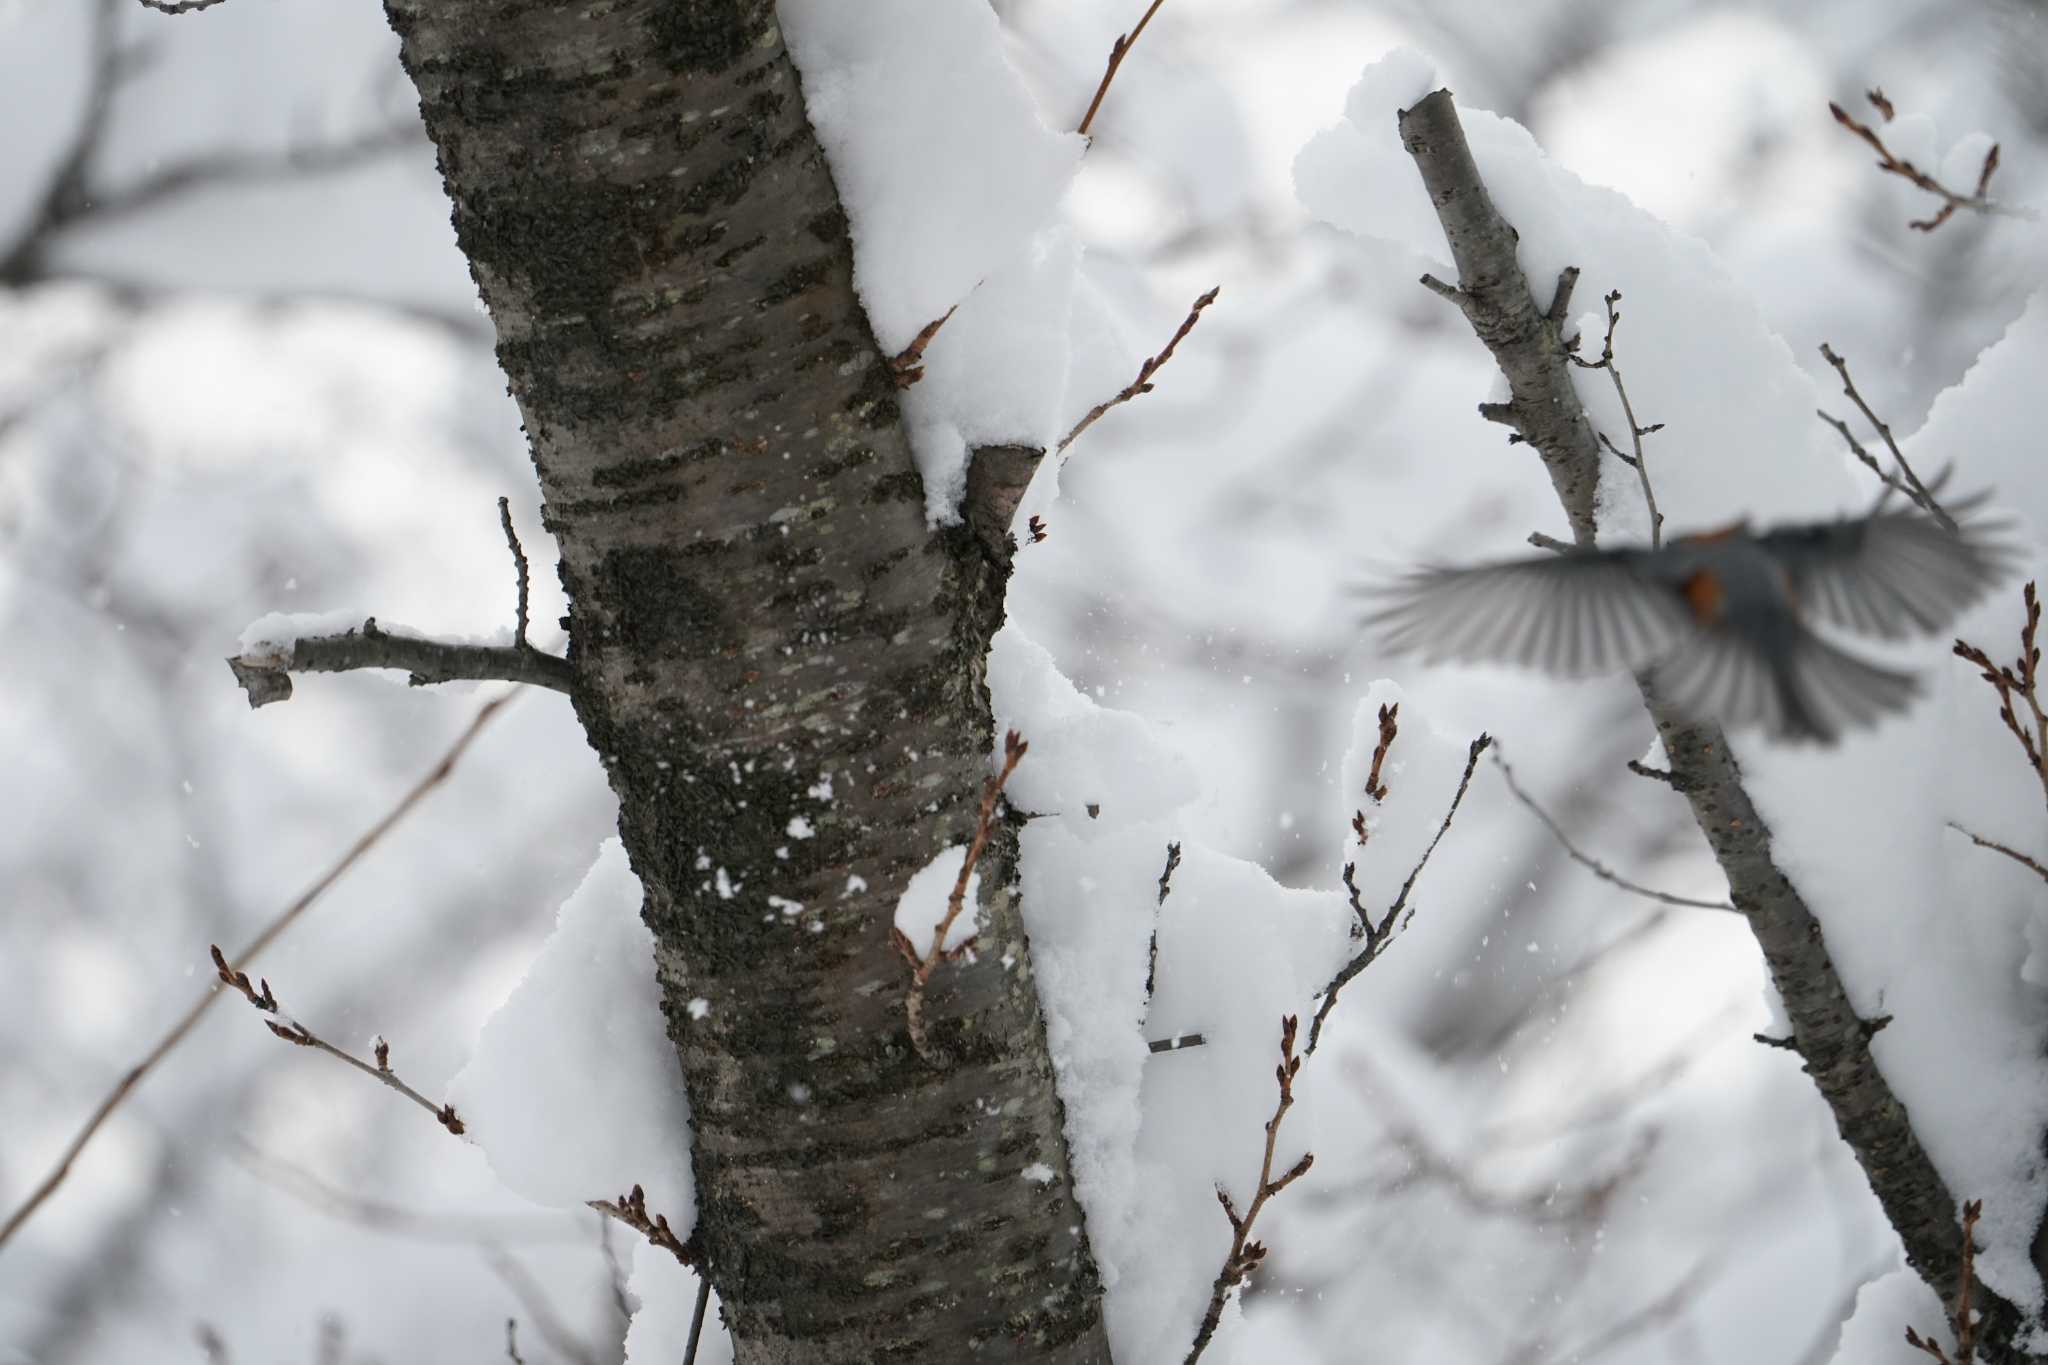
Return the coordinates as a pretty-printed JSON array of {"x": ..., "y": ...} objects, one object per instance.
[{"x": 1721, "y": 620}]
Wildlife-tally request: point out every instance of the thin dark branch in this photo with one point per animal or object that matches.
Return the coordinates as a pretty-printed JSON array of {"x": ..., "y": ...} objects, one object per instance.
[
  {"x": 697, "y": 1318},
  {"x": 906, "y": 367},
  {"x": 519, "y": 567},
  {"x": 1592, "y": 864},
  {"x": 1916, "y": 490},
  {"x": 1381, "y": 933},
  {"x": 1117, "y": 52},
  {"x": 1246, "y": 1255},
  {"x": 296, "y": 1033},
  {"x": 266, "y": 675},
  {"x": 178, "y": 6},
  {"x": 2022, "y": 859},
  {"x": 923, "y": 965},
  {"x": 369, "y": 839},
  {"x": 1143, "y": 383}
]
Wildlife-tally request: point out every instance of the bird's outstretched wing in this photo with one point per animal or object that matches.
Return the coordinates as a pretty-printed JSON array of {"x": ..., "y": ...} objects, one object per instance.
[
  {"x": 1895, "y": 573},
  {"x": 1573, "y": 614}
]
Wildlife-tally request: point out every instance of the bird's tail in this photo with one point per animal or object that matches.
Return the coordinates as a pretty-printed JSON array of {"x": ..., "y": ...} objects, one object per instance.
[{"x": 1809, "y": 693}]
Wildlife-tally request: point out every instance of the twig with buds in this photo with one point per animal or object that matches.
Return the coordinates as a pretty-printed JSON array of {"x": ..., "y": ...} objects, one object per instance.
[
  {"x": 922, "y": 966},
  {"x": 1245, "y": 1255}
]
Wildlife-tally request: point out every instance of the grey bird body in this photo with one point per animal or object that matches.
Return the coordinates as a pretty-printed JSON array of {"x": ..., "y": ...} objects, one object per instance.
[{"x": 1719, "y": 620}]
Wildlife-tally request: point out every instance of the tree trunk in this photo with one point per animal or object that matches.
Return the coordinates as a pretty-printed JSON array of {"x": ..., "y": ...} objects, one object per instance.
[{"x": 779, "y": 664}]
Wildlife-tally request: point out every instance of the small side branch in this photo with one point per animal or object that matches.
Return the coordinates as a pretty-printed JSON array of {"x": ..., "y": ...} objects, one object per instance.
[
  {"x": 906, "y": 367},
  {"x": 1962, "y": 1321},
  {"x": 2019, "y": 682},
  {"x": 1118, "y": 50},
  {"x": 1246, "y": 1255},
  {"x": 1977, "y": 201},
  {"x": 297, "y": 1034},
  {"x": 1143, "y": 383},
  {"x": 1636, "y": 430},
  {"x": 630, "y": 1208},
  {"x": 1590, "y": 863},
  {"x": 266, "y": 675},
  {"x": 518, "y": 568},
  {"x": 921, "y": 968},
  {"x": 1905, "y": 481},
  {"x": 1379, "y": 933},
  {"x": 369, "y": 839}
]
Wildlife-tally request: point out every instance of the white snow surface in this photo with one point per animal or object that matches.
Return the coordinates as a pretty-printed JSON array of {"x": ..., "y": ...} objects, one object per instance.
[
  {"x": 574, "y": 1091},
  {"x": 952, "y": 184},
  {"x": 272, "y": 636},
  {"x": 922, "y": 906}
]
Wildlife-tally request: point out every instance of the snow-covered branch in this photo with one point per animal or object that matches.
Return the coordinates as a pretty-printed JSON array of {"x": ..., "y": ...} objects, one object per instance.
[{"x": 265, "y": 665}]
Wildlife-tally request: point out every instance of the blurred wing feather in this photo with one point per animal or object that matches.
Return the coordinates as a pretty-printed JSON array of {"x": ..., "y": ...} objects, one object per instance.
[
  {"x": 1572, "y": 614},
  {"x": 1893, "y": 574}
]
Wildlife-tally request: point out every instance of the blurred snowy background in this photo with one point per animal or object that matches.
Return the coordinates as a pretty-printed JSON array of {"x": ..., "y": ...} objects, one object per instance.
[{"x": 243, "y": 369}]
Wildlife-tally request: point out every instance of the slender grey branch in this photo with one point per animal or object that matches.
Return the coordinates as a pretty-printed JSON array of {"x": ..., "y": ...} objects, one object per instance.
[
  {"x": 1585, "y": 860},
  {"x": 1832, "y": 1040},
  {"x": 518, "y": 566},
  {"x": 1916, "y": 490},
  {"x": 2022, "y": 859},
  {"x": 267, "y": 677}
]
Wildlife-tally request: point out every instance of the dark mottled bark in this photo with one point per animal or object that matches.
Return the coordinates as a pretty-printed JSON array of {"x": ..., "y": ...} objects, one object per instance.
[
  {"x": 1827, "y": 1033},
  {"x": 779, "y": 664}
]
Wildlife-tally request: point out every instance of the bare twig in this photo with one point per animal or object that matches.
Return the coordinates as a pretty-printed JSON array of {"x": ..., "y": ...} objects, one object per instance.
[
  {"x": 1143, "y": 383},
  {"x": 178, "y": 6},
  {"x": 1166, "y": 873},
  {"x": 922, "y": 966},
  {"x": 1117, "y": 52},
  {"x": 629, "y": 1208},
  {"x": 1636, "y": 430},
  {"x": 2019, "y": 679},
  {"x": 1592, "y": 864},
  {"x": 266, "y": 674},
  {"x": 512, "y": 1342},
  {"x": 369, "y": 839},
  {"x": 1390, "y": 726},
  {"x": 1379, "y": 933},
  {"x": 1922, "y": 497},
  {"x": 1962, "y": 1321},
  {"x": 1976, "y": 201},
  {"x": 1245, "y": 1255},
  {"x": 519, "y": 567},
  {"x": 2022, "y": 859},
  {"x": 296, "y": 1033},
  {"x": 906, "y": 367}
]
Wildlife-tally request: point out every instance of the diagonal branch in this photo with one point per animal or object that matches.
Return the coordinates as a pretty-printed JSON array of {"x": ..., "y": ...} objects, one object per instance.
[
  {"x": 1831, "y": 1039},
  {"x": 434, "y": 777}
]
